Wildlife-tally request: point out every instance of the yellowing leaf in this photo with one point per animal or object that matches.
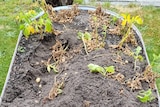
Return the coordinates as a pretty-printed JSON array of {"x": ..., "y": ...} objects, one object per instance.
[
  {"x": 123, "y": 23},
  {"x": 31, "y": 29},
  {"x": 129, "y": 19},
  {"x": 124, "y": 16},
  {"x": 48, "y": 26},
  {"x": 138, "y": 20}
]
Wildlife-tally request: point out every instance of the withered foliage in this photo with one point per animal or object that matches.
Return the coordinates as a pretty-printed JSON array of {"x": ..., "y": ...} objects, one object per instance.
[
  {"x": 102, "y": 18},
  {"x": 119, "y": 77},
  {"x": 150, "y": 76},
  {"x": 95, "y": 43},
  {"x": 135, "y": 82},
  {"x": 64, "y": 16},
  {"x": 147, "y": 76},
  {"x": 56, "y": 89},
  {"x": 58, "y": 52}
]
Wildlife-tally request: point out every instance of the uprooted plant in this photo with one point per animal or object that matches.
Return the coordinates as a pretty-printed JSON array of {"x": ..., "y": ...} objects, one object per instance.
[{"x": 102, "y": 70}]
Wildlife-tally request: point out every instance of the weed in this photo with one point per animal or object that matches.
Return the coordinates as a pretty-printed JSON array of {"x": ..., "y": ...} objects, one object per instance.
[
  {"x": 145, "y": 96},
  {"x": 21, "y": 49},
  {"x": 84, "y": 37},
  {"x": 102, "y": 70}
]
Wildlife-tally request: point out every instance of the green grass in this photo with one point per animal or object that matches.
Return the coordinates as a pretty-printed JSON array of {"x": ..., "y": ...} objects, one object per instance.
[
  {"x": 9, "y": 9},
  {"x": 9, "y": 32}
]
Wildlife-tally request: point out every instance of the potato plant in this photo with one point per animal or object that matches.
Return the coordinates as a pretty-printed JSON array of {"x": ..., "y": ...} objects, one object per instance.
[
  {"x": 128, "y": 21},
  {"x": 29, "y": 26}
]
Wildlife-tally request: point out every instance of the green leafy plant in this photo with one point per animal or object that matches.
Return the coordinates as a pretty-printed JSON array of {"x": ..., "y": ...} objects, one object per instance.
[
  {"x": 137, "y": 56},
  {"x": 145, "y": 96},
  {"x": 29, "y": 26},
  {"x": 102, "y": 70},
  {"x": 50, "y": 67},
  {"x": 110, "y": 69},
  {"x": 128, "y": 21},
  {"x": 84, "y": 37}
]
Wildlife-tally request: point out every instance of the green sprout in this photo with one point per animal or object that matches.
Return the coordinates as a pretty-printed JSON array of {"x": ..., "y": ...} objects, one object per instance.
[
  {"x": 145, "y": 96},
  {"x": 21, "y": 49},
  {"x": 137, "y": 56},
  {"x": 50, "y": 67},
  {"x": 110, "y": 69},
  {"x": 102, "y": 70},
  {"x": 84, "y": 37},
  {"x": 114, "y": 19}
]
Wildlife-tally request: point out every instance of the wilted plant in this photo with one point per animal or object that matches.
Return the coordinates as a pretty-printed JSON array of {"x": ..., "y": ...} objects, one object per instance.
[{"x": 128, "y": 21}]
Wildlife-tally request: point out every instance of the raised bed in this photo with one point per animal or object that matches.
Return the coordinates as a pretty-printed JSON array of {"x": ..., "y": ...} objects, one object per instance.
[{"x": 75, "y": 85}]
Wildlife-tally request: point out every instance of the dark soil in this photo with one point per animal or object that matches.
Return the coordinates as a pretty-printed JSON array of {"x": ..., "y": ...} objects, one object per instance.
[{"x": 81, "y": 87}]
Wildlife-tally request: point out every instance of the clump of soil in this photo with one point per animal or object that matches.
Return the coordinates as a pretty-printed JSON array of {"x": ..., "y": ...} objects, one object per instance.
[{"x": 74, "y": 85}]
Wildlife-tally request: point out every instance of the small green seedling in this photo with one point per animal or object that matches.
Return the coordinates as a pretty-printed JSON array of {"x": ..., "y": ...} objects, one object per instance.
[
  {"x": 145, "y": 96},
  {"x": 137, "y": 56},
  {"x": 104, "y": 27},
  {"x": 21, "y": 49},
  {"x": 113, "y": 20},
  {"x": 96, "y": 68},
  {"x": 110, "y": 69},
  {"x": 84, "y": 37},
  {"x": 50, "y": 67}
]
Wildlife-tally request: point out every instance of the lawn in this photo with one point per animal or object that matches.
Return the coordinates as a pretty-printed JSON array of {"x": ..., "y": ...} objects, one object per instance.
[{"x": 9, "y": 31}]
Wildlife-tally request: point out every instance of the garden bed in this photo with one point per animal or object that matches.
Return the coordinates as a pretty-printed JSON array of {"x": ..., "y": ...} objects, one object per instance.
[{"x": 75, "y": 85}]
